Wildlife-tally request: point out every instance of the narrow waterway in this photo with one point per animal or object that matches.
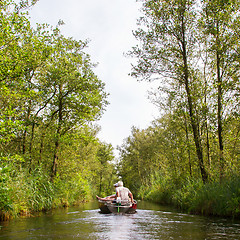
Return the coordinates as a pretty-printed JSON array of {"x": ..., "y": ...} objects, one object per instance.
[{"x": 150, "y": 222}]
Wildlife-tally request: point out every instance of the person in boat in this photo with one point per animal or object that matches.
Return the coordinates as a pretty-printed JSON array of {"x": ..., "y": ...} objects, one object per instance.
[
  {"x": 124, "y": 193},
  {"x": 121, "y": 192}
]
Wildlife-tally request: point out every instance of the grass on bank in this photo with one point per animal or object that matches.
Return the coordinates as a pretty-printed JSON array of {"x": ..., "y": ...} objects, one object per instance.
[
  {"x": 212, "y": 199},
  {"x": 22, "y": 193}
]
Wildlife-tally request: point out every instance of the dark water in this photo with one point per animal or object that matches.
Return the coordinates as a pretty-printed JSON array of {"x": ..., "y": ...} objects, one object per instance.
[{"x": 150, "y": 222}]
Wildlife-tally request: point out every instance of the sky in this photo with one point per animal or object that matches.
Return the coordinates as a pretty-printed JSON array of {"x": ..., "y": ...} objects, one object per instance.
[{"x": 108, "y": 24}]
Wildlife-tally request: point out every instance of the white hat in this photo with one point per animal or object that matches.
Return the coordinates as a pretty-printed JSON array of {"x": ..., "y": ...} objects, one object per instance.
[{"x": 120, "y": 184}]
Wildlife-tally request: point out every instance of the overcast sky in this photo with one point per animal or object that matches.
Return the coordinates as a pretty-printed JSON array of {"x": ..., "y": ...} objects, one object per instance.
[{"x": 109, "y": 25}]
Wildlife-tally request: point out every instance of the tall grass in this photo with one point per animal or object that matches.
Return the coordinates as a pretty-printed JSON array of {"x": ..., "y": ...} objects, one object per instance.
[
  {"x": 24, "y": 193},
  {"x": 193, "y": 196},
  {"x": 210, "y": 199}
]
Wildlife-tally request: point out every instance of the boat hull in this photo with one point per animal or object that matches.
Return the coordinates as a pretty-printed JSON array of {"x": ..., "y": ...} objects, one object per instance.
[{"x": 109, "y": 207}]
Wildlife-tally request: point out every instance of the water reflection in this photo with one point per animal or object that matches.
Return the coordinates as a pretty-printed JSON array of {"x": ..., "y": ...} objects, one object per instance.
[{"x": 150, "y": 222}]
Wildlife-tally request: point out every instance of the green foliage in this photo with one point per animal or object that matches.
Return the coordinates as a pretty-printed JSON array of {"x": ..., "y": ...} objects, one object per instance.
[
  {"x": 188, "y": 157},
  {"x": 5, "y": 201},
  {"x": 211, "y": 198},
  {"x": 71, "y": 191},
  {"x": 105, "y": 171},
  {"x": 160, "y": 190},
  {"x": 195, "y": 197},
  {"x": 24, "y": 194},
  {"x": 173, "y": 176},
  {"x": 49, "y": 96}
]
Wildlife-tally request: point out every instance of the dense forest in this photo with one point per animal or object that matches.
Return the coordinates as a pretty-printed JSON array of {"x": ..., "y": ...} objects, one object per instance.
[
  {"x": 190, "y": 156},
  {"x": 49, "y": 99}
]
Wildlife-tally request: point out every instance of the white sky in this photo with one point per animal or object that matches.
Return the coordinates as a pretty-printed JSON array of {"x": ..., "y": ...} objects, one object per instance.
[{"x": 109, "y": 25}]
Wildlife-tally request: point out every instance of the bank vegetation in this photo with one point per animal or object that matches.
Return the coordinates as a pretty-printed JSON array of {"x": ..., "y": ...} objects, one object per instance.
[
  {"x": 190, "y": 155},
  {"x": 50, "y": 97}
]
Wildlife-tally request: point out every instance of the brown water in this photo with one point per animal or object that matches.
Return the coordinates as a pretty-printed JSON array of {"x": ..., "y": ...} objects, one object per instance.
[{"x": 150, "y": 222}]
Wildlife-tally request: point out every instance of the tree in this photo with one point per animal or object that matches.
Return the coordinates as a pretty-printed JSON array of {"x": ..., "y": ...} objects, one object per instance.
[
  {"x": 105, "y": 168},
  {"x": 219, "y": 21},
  {"x": 13, "y": 29},
  {"x": 49, "y": 95},
  {"x": 23, "y": 51},
  {"x": 168, "y": 51},
  {"x": 79, "y": 95}
]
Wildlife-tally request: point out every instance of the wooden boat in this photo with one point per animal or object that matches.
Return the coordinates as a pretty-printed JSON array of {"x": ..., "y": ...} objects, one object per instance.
[{"x": 113, "y": 207}]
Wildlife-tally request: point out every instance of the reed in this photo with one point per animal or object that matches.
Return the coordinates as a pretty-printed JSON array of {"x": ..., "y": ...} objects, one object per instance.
[
  {"x": 25, "y": 194},
  {"x": 212, "y": 198}
]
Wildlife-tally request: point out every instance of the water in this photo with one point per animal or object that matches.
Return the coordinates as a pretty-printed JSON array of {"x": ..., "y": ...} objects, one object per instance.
[{"x": 150, "y": 222}]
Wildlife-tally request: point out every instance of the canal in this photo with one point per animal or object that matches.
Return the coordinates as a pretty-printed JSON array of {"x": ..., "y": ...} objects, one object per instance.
[{"x": 150, "y": 222}]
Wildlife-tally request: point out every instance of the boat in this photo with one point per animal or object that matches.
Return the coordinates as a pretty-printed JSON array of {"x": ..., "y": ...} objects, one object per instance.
[{"x": 114, "y": 207}]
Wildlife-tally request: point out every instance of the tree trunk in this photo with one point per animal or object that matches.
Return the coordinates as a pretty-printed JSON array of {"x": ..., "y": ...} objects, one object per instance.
[
  {"x": 205, "y": 116},
  {"x": 25, "y": 130},
  {"x": 100, "y": 182},
  {"x": 30, "y": 146},
  {"x": 58, "y": 133},
  {"x": 193, "y": 116},
  {"x": 41, "y": 145},
  {"x": 188, "y": 145},
  {"x": 196, "y": 135},
  {"x": 55, "y": 157},
  {"x": 219, "y": 117}
]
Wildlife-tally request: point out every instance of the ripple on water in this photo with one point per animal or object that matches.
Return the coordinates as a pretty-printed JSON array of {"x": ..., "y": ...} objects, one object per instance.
[{"x": 89, "y": 224}]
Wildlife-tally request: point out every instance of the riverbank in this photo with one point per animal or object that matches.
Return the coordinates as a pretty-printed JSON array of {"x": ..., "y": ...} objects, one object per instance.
[
  {"x": 23, "y": 194},
  {"x": 210, "y": 199}
]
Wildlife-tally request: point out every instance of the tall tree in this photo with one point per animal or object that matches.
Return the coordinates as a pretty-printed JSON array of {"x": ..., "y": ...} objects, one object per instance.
[
  {"x": 219, "y": 20},
  {"x": 23, "y": 50},
  {"x": 168, "y": 51},
  {"x": 79, "y": 94}
]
